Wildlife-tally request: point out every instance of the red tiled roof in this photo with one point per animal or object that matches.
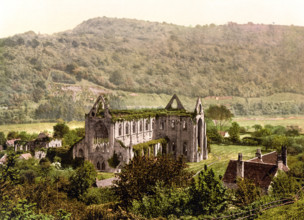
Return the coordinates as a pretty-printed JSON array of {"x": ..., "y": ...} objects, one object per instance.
[
  {"x": 260, "y": 173},
  {"x": 270, "y": 158},
  {"x": 25, "y": 156},
  {"x": 12, "y": 142}
]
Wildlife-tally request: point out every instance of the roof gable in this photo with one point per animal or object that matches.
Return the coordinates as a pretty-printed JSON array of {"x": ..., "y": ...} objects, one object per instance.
[{"x": 260, "y": 173}]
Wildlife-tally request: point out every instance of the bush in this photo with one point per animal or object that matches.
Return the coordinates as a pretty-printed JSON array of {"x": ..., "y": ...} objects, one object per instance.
[
  {"x": 98, "y": 196},
  {"x": 247, "y": 192},
  {"x": 284, "y": 186},
  {"x": 114, "y": 161},
  {"x": 207, "y": 194},
  {"x": 214, "y": 136},
  {"x": 248, "y": 141},
  {"x": 164, "y": 203}
]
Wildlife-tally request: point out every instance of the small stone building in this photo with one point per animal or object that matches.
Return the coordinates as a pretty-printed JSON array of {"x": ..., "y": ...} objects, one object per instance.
[
  {"x": 42, "y": 141},
  {"x": 260, "y": 169},
  {"x": 124, "y": 133}
]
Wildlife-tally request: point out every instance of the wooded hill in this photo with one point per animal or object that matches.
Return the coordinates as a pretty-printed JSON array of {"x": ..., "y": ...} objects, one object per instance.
[{"x": 104, "y": 54}]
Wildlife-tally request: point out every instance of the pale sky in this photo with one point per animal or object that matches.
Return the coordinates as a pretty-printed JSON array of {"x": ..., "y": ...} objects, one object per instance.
[{"x": 50, "y": 16}]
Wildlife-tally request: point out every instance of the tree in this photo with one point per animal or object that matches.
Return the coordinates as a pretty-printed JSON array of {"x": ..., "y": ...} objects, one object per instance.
[
  {"x": 257, "y": 127},
  {"x": 234, "y": 132},
  {"x": 2, "y": 138},
  {"x": 220, "y": 114},
  {"x": 72, "y": 136},
  {"x": 247, "y": 192},
  {"x": 214, "y": 135},
  {"x": 139, "y": 177},
  {"x": 12, "y": 135},
  {"x": 9, "y": 174},
  {"x": 166, "y": 201},
  {"x": 60, "y": 129},
  {"x": 82, "y": 179},
  {"x": 207, "y": 194},
  {"x": 284, "y": 186}
]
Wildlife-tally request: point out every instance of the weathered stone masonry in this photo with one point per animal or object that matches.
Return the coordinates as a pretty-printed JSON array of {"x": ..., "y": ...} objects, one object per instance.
[{"x": 108, "y": 131}]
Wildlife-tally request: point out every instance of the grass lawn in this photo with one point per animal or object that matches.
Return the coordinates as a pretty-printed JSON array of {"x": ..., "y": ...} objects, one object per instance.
[
  {"x": 262, "y": 120},
  {"x": 104, "y": 175},
  {"x": 220, "y": 156},
  {"x": 37, "y": 127}
]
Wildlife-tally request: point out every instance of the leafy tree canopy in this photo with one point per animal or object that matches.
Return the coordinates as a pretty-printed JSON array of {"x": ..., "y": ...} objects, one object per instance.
[
  {"x": 139, "y": 177},
  {"x": 221, "y": 114},
  {"x": 60, "y": 129}
]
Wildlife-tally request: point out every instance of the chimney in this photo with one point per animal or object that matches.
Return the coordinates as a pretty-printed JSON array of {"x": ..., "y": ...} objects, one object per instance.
[
  {"x": 280, "y": 162},
  {"x": 240, "y": 166},
  {"x": 284, "y": 155},
  {"x": 258, "y": 154}
]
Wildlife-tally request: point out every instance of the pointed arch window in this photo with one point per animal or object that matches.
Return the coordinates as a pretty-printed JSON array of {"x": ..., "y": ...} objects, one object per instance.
[
  {"x": 184, "y": 125},
  {"x": 134, "y": 127},
  {"x": 119, "y": 130},
  {"x": 127, "y": 128},
  {"x": 173, "y": 124},
  {"x": 147, "y": 124},
  {"x": 185, "y": 148},
  {"x": 140, "y": 126}
]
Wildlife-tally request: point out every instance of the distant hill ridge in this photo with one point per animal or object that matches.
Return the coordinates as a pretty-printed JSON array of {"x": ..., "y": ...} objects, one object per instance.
[{"x": 249, "y": 60}]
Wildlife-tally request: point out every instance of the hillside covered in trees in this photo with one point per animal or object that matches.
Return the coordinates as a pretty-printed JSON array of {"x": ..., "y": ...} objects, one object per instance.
[{"x": 251, "y": 62}]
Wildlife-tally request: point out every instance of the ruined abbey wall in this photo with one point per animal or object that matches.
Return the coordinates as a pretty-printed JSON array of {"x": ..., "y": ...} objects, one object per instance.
[{"x": 186, "y": 136}]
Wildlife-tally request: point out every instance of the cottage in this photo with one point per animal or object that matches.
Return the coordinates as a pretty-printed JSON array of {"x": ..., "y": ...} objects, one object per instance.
[
  {"x": 125, "y": 133},
  {"x": 25, "y": 156},
  {"x": 42, "y": 141},
  {"x": 11, "y": 143},
  {"x": 260, "y": 169}
]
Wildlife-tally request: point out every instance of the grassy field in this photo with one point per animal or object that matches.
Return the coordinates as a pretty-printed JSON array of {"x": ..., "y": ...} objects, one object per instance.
[
  {"x": 291, "y": 120},
  {"x": 104, "y": 175},
  {"x": 220, "y": 156},
  {"x": 37, "y": 127}
]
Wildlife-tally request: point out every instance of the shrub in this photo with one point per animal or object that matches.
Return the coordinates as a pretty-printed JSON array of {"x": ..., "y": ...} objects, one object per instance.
[
  {"x": 247, "y": 192},
  {"x": 114, "y": 161}
]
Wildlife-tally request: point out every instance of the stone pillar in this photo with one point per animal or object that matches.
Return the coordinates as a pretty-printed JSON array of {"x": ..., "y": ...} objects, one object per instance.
[
  {"x": 280, "y": 162},
  {"x": 258, "y": 154},
  {"x": 240, "y": 166},
  {"x": 284, "y": 155},
  {"x": 205, "y": 151}
]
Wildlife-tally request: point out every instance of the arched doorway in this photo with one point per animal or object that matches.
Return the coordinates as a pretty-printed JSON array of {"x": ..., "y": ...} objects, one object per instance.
[
  {"x": 103, "y": 166},
  {"x": 80, "y": 153},
  {"x": 98, "y": 165},
  {"x": 200, "y": 133}
]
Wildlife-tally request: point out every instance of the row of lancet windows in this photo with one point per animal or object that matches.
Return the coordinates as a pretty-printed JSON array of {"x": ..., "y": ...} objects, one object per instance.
[
  {"x": 173, "y": 124},
  {"x": 162, "y": 126},
  {"x": 185, "y": 148},
  {"x": 134, "y": 127}
]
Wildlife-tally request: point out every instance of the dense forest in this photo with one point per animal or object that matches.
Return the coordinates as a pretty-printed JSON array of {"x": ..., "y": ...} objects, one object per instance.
[{"x": 106, "y": 55}]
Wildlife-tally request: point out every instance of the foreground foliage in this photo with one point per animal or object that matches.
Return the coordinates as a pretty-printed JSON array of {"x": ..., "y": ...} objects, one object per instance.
[{"x": 140, "y": 176}]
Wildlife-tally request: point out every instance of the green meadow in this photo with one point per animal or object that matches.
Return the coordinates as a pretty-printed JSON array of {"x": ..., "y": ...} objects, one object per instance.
[
  {"x": 220, "y": 155},
  {"x": 37, "y": 127},
  {"x": 283, "y": 121}
]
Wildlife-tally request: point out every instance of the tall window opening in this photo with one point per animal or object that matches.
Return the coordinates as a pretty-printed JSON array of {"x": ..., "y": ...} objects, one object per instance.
[
  {"x": 134, "y": 127},
  {"x": 119, "y": 130}
]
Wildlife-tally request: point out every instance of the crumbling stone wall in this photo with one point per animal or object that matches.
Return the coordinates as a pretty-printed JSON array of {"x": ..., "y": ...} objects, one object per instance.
[{"x": 186, "y": 136}]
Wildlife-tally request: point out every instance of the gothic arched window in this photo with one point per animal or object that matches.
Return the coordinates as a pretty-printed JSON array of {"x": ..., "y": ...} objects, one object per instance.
[
  {"x": 119, "y": 130},
  {"x": 127, "y": 128},
  {"x": 173, "y": 124},
  {"x": 147, "y": 124},
  {"x": 134, "y": 127},
  {"x": 185, "y": 150},
  {"x": 184, "y": 125}
]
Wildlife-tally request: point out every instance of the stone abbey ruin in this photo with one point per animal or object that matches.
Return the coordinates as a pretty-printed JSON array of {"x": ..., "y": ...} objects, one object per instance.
[{"x": 114, "y": 137}]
